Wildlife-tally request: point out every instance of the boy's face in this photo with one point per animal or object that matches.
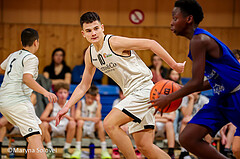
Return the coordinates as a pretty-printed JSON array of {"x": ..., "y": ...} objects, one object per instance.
[
  {"x": 89, "y": 99},
  {"x": 93, "y": 32},
  {"x": 179, "y": 22},
  {"x": 62, "y": 94}
]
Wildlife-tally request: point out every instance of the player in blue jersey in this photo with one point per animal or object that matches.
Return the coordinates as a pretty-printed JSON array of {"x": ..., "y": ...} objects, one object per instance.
[{"x": 213, "y": 59}]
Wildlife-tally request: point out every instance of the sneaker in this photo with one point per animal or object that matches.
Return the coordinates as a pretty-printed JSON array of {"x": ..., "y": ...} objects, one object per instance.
[
  {"x": 138, "y": 154},
  {"x": 228, "y": 153},
  {"x": 172, "y": 156},
  {"x": 105, "y": 155},
  {"x": 185, "y": 155},
  {"x": 50, "y": 154},
  {"x": 66, "y": 154},
  {"x": 76, "y": 154},
  {"x": 115, "y": 153}
]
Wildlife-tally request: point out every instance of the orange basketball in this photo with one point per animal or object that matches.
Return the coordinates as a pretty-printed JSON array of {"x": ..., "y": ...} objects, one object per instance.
[{"x": 166, "y": 87}]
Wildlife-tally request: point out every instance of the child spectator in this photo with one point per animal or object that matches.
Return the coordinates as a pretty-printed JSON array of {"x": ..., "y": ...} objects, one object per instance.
[
  {"x": 88, "y": 116},
  {"x": 67, "y": 124},
  {"x": 58, "y": 71}
]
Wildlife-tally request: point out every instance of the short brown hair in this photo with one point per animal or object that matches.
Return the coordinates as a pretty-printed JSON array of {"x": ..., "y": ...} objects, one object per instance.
[
  {"x": 93, "y": 90},
  {"x": 63, "y": 85},
  {"x": 236, "y": 53}
]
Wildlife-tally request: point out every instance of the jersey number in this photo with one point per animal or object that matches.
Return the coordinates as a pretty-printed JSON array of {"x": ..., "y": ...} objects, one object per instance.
[
  {"x": 101, "y": 60},
  {"x": 11, "y": 66}
]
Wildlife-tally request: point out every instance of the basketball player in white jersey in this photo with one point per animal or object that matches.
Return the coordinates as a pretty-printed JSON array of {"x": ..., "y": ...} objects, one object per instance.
[
  {"x": 114, "y": 56},
  {"x": 67, "y": 125},
  {"x": 21, "y": 70}
]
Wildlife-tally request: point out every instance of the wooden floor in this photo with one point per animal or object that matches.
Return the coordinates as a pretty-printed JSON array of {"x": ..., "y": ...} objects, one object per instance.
[{"x": 59, "y": 152}]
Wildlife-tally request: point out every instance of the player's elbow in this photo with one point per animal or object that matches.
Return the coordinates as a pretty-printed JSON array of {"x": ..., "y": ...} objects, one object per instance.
[{"x": 26, "y": 78}]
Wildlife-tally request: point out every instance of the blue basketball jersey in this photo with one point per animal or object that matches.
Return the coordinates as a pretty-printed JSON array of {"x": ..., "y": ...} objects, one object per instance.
[{"x": 223, "y": 73}]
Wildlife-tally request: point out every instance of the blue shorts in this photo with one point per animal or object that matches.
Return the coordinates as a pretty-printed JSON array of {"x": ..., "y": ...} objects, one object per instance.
[{"x": 220, "y": 111}]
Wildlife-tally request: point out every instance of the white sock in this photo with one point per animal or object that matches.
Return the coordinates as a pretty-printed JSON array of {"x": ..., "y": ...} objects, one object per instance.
[
  {"x": 78, "y": 145},
  {"x": 183, "y": 149},
  {"x": 104, "y": 145},
  {"x": 66, "y": 145},
  {"x": 49, "y": 145},
  {"x": 114, "y": 146}
]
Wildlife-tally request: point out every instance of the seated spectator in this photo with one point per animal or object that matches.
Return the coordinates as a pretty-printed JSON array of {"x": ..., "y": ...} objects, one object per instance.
[
  {"x": 174, "y": 76},
  {"x": 190, "y": 105},
  {"x": 164, "y": 128},
  {"x": 236, "y": 53},
  {"x": 227, "y": 135},
  {"x": 158, "y": 70},
  {"x": 115, "y": 151},
  {"x": 88, "y": 117},
  {"x": 67, "y": 124},
  {"x": 78, "y": 72},
  {"x": 58, "y": 71}
]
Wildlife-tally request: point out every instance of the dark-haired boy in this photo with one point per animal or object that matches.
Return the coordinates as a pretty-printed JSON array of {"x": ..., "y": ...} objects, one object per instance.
[
  {"x": 88, "y": 116},
  {"x": 115, "y": 56},
  {"x": 213, "y": 59},
  {"x": 67, "y": 126},
  {"x": 21, "y": 70}
]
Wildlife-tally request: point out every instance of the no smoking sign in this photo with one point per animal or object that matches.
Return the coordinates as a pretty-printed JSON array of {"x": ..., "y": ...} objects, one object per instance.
[{"x": 136, "y": 16}]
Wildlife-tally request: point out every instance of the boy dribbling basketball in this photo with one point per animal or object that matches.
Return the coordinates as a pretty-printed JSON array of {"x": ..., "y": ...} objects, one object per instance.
[{"x": 215, "y": 60}]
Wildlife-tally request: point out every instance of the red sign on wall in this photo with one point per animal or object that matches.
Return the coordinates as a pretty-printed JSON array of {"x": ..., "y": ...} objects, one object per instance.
[{"x": 136, "y": 16}]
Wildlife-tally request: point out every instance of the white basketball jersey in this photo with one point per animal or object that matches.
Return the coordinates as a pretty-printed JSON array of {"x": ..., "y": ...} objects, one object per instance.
[
  {"x": 13, "y": 89},
  {"x": 129, "y": 72},
  {"x": 89, "y": 110},
  {"x": 56, "y": 109}
]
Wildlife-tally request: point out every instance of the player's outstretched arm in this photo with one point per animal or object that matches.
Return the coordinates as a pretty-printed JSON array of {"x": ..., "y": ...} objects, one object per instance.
[
  {"x": 31, "y": 83},
  {"x": 81, "y": 89},
  {"x": 119, "y": 44}
]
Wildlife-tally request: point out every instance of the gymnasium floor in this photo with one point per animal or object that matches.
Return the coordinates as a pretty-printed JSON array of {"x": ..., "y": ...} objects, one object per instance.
[{"x": 60, "y": 150}]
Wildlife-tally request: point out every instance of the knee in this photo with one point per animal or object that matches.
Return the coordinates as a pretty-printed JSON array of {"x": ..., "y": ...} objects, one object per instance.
[
  {"x": 72, "y": 125},
  {"x": 45, "y": 125},
  {"x": 183, "y": 139},
  {"x": 80, "y": 123},
  {"x": 142, "y": 146},
  {"x": 108, "y": 126}
]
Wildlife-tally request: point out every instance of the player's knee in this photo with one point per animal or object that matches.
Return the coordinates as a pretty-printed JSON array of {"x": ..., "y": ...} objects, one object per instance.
[
  {"x": 143, "y": 146},
  {"x": 108, "y": 126},
  {"x": 80, "y": 123},
  {"x": 183, "y": 139}
]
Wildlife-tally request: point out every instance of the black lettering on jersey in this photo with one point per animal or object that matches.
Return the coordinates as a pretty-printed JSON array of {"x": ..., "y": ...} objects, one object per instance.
[
  {"x": 11, "y": 66},
  {"x": 166, "y": 91},
  {"x": 101, "y": 60}
]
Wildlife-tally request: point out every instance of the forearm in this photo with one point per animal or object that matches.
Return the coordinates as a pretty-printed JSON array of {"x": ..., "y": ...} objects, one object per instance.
[
  {"x": 31, "y": 83},
  {"x": 56, "y": 81},
  {"x": 78, "y": 93},
  {"x": 161, "y": 52},
  {"x": 48, "y": 119}
]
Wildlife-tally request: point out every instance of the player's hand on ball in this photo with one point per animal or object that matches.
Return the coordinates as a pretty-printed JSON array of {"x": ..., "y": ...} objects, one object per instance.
[
  {"x": 61, "y": 114},
  {"x": 160, "y": 103},
  {"x": 51, "y": 97},
  {"x": 180, "y": 67}
]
